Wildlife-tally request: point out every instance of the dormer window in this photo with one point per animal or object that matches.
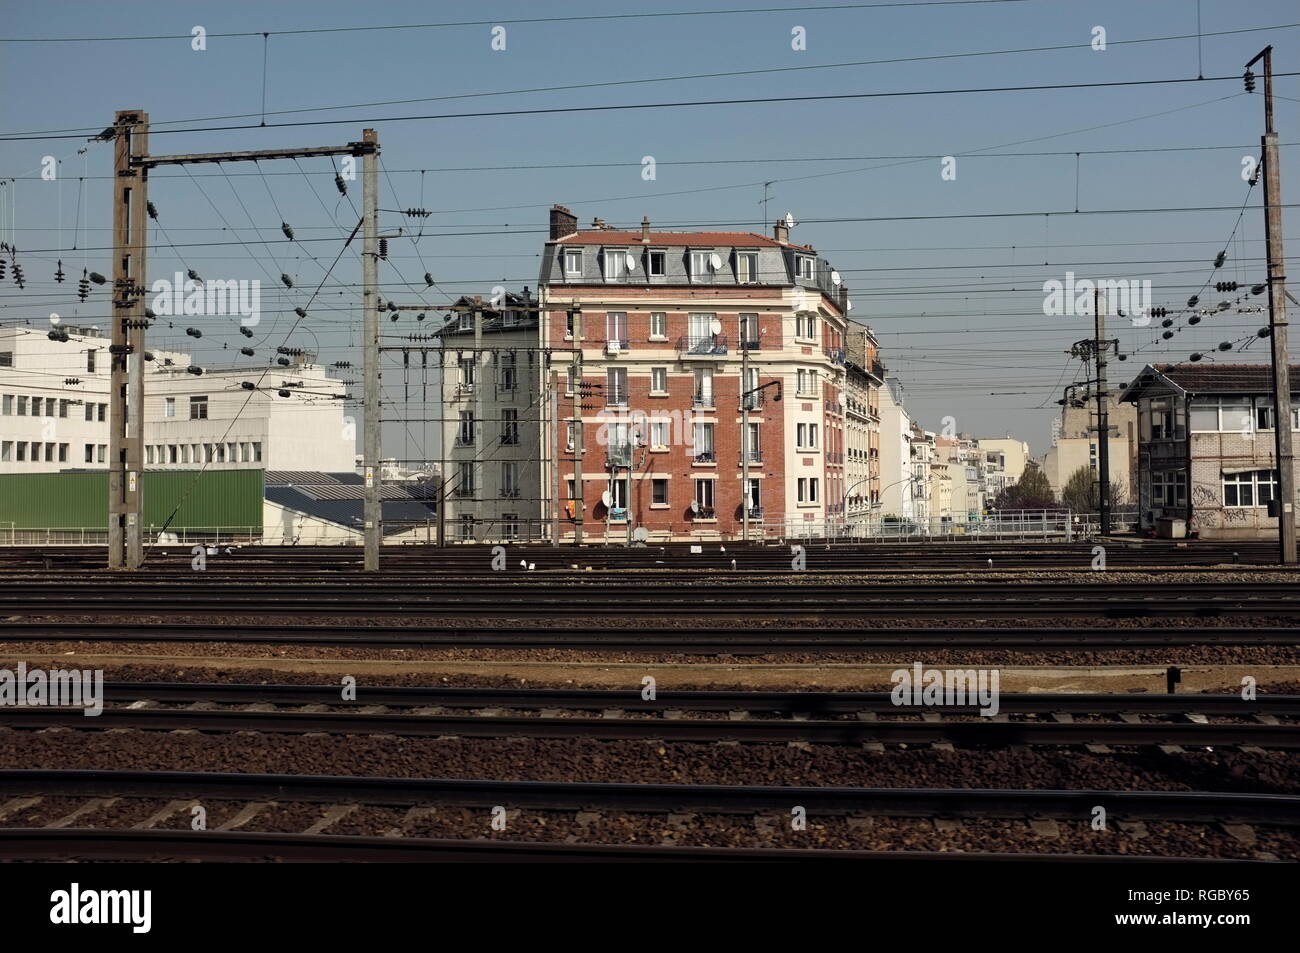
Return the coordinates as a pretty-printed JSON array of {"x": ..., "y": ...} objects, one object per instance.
[
  {"x": 746, "y": 267},
  {"x": 804, "y": 267},
  {"x": 657, "y": 264},
  {"x": 615, "y": 264},
  {"x": 573, "y": 262},
  {"x": 702, "y": 266}
]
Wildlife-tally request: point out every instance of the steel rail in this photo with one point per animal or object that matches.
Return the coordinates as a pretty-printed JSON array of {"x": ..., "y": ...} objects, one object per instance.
[
  {"x": 982, "y": 732},
  {"x": 683, "y": 640},
  {"x": 1189, "y": 806}
]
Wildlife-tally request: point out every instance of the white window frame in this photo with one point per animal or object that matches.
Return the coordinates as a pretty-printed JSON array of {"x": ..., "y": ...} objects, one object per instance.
[
  {"x": 750, "y": 258},
  {"x": 570, "y": 254},
  {"x": 614, "y": 264},
  {"x": 651, "y": 256},
  {"x": 659, "y": 318},
  {"x": 658, "y": 376}
]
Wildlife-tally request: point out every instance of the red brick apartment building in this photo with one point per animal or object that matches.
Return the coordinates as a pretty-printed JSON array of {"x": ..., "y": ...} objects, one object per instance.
[{"x": 651, "y": 335}]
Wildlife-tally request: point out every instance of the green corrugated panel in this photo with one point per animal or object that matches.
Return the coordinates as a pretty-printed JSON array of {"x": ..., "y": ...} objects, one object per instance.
[{"x": 215, "y": 499}]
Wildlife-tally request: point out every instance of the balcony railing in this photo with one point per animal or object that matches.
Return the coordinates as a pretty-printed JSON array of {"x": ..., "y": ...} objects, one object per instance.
[
  {"x": 702, "y": 401},
  {"x": 755, "y": 456},
  {"x": 511, "y": 493},
  {"x": 463, "y": 492},
  {"x": 702, "y": 345},
  {"x": 836, "y": 354},
  {"x": 754, "y": 345},
  {"x": 616, "y": 398},
  {"x": 704, "y": 513},
  {"x": 615, "y": 345},
  {"x": 751, "y": 401},
  {"x": 704, "y": 456}
]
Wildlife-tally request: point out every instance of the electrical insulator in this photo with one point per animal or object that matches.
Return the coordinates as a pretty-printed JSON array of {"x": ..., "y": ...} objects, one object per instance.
[
  {"x": 383, "y": 248},
  {"x": 428, "y": 280},
  {"x": 1225, "y": 345},
  {"x": 59, "y": 275},
  {"x": 1159, "y": 312},
  {"x": 288, "y": 282},
  {"x": 193, "y": 276},
  {"x": 1196, "y": 356},
  {"x": 301, "y": 312},
  {"x": 1249, "y": 78},
  {"x": 1167, "y": 335},
  {"x": 288, "y": 232},
  {"x": 83, "y": 287},
  {"x": 1123, "y": 357},
  {"x": 1262, "y": 332},
  {"x": 1258, "y": 289},
  {"x": 194, "y": 332},
  {"x": 282, "y": 361},
  {"x": 1225, "y": 305},
  {"x": 392, "y": 317},
  {"x": 283, "y": 393},
  {"x": 195, "y": 370},
  {"x": 18, "y": 274},
  {"x": 340, "y": 184},
  {"x": 1194, "y": 319},
  {"x": 246, "y": 351},
  {"x": 3, "y": 266},
  {"x": 392, "y": 306},
  {"x": 97, "y": 278},
  {"x": 246, "y": 332},
  {"x": 420, "y": 316},
  {"x": 150, "y": 313},
  {"x": 1191, "y": 302},
  {"x": 1219, "y": 259},
  {"x": 148, "y": 355},
  {"x": 248, "y": 385},
  {"x": 71, "y": 381},
  {"x": 152, "y": 210},
  {"x": 58, "y": 334},
  {"x": 1167, "y": 323},
  {"x": 1225, "y": 286},
  {"x": 417, "y": 212}
]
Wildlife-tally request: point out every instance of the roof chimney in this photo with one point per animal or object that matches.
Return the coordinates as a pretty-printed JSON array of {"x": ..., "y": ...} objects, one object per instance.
[
  {"x": 563, "y": 222},
  {"x": 781, "y": 232},
  {"x": 645, "y": 229}
]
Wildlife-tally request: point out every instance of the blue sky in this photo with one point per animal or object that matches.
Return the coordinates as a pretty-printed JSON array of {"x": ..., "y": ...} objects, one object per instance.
[{"x": 956, "y": 302}]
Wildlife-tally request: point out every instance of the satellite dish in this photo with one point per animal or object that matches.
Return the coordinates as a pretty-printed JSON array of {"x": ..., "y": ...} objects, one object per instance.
[
  {"x": 715, "y": 262},
  {"x": 715, "y": 326},
  {"x": 789, "y": 220},
  {"x": 606, "y": 498},
  {"x": 631, "y": 262},
  {"x": 640, "y": 534},
  {"x": 835, "y": 278},
  {"x": 850, "y": 305},
  {"x": 55, "y": 319}
]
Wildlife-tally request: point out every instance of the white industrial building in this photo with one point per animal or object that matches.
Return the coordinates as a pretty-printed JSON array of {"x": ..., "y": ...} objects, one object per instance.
[{"x": 54, "y": 408}]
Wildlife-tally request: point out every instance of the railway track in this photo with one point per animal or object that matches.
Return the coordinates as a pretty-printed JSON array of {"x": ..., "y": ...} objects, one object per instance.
[
  {"x": 250, "y": 797},
  {"x": 960, "y": 726},
  {"x": 695, "y": 640},
  {"x": 834, "y": 558},
  {"x": 754, "y": 702},
  {"x": 534, "y": 597}
]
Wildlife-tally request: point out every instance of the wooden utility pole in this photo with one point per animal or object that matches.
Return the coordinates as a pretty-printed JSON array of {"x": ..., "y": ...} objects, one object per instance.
[
  {"x": 1101, "y": 345},
  {"x": 371, "y": 463},
  {"x": 126, "y": 352},
  {"x": 1277, "y": 322}
]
